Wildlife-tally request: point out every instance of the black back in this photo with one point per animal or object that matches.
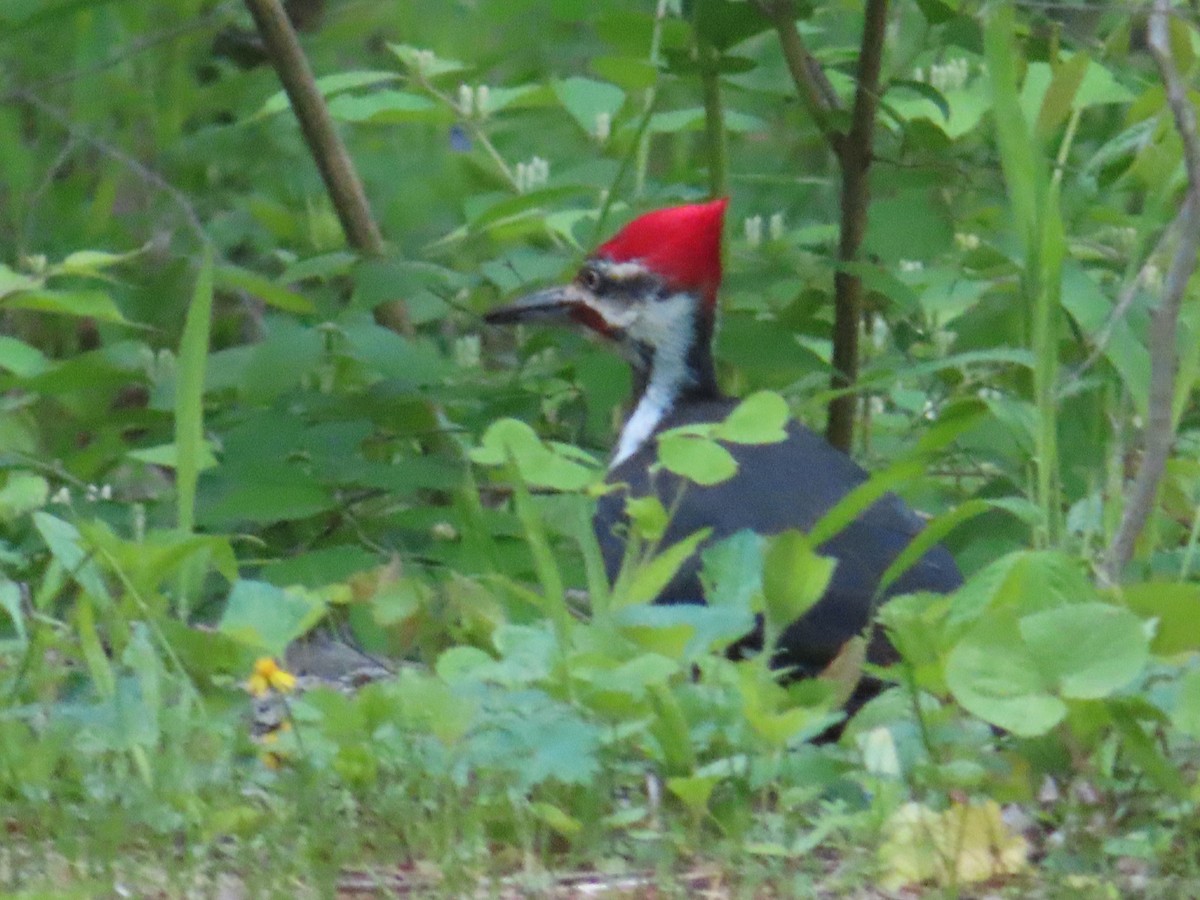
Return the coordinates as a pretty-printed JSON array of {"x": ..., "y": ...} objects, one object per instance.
[{"x": 780, "y": 486}]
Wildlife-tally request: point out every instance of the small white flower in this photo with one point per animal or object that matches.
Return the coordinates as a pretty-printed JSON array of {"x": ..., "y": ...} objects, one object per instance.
[
  {"x": 483, "y": 100},
  {"x": 911, "y": 265},
  {"x": 966, "y": 240},
  {"x": 444, "y": 531},
  {"x": 61, "y": 497},
  {"x": 424, "y": 60},
  {"x": 753, "y": 226},
  {"x": 467, "y": 351},
  {"x": 603, "y": 126},
  {"x": 466, "y": 100},
  {"x": 775, "y": 226}
]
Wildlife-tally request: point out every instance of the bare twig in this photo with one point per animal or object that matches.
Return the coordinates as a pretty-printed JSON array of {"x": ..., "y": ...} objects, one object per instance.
[
  {"x": 1164, "y": 356},
  {"x": 811, "y": 82},
  {"x": 853, "y": 150},
  {"x": 337, "y": 170},
  {"x": 143, "y": 172},
  {"x": 1129, "y": 295}
]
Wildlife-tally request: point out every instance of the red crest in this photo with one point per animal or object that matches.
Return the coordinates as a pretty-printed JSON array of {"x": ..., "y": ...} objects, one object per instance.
[{"x": 680, "y": 243}]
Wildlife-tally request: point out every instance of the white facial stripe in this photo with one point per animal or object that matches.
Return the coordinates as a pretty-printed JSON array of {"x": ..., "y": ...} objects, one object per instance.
[
  {"x": 621, "y": 270},
  {"x": 667, "y": 326}
]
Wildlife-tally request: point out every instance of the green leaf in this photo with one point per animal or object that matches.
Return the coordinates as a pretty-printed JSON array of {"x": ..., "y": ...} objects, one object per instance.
[
  {"x": 511, "y": 440},
  {"x": 695, "y": 791},
  {"x": 23, "y": 492},
  {"x": 66, "y": 544},
  {"x": 233, "y": 277},
  {"x": 11, "y": 282},
  {"x": 759, "y": 419},
  {"x": 328, "y": 86},
  {"x": 1175, "y": 607},
  {"x": 649, "y": 579},
  {"x": 425, "y": 62},
  {"x": 1059, "y": 99},
  {"x": 21, "y": 359},
  {"x": 384, "y": 107},
  {"x": 586, "y": 99},
  {"x": 268, "y": 618},
  {"x": 1090, "y": 650},
  {"x": 994, "y": 675},
  {"x": 167, "y": 456},
  {"x": 698, "y": 459},
  {"x": 794, "y": 578},
  {"x": 91, "y": 262},
  {"x": 10, "y": 602},
  {"x": 1186, "y": 713},
  {"x": 88, "y": 304}
]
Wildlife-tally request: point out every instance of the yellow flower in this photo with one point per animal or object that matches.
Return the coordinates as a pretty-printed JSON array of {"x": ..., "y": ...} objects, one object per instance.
[{"x": 269, "y": 676}]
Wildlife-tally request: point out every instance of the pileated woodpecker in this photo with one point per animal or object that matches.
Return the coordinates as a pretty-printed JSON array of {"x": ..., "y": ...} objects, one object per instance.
[{"x": 651, "y": 291}]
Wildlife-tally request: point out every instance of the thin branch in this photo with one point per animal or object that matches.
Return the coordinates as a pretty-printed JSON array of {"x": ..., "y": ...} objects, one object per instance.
[
  {"x": 138, "y": 168},
  {"x": 1125, "y": 301},
  {"x": 811, "y": 82},
  {"x": 337, "y": 170},
  {"x": 855, "y": 159},
  {"x": 853, "y": 150},
  {"x": 1164, "y": 326}
]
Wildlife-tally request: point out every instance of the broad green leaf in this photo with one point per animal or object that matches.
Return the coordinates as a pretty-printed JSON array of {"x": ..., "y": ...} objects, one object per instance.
[
  {"x": 692, "y": 119},
  {"x": 994, "y": 675},
  {"x": 23, "y": 492},
  {"x": 1090, "y": 650},
  {"x": 268, "y": 618},
  {"x": 1186, "y": 713},
  {"x": 1175, "y": 607},
  {"x": 328, "y": 86},
  {"x": 511, "y": 440},
  {"x": 20, "y": 358},
  {"x": 695, "y": 791},
  {"x": 794, "y": 578},
  {"x": 698, "y": 459},
  {"x": 759, "y": 419},
  {"x": 167, "y": 456},
  {"x": 90, "y": 304},
  {"x": 558, "y": 819},
  {"x": 732, "y": 570},
  {"x": 385, "y": 107},
  {"x": 586, "y": 99},
  {"x": 12, "y": 282},
  {"x": 66, "y": 544}
]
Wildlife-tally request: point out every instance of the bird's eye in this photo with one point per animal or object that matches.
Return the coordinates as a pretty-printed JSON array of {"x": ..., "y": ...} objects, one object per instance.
[{"x": 590, "y": 279}]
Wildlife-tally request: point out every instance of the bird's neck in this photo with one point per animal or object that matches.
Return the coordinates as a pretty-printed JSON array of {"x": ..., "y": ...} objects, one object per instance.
[{"x": 677, "y": 370}]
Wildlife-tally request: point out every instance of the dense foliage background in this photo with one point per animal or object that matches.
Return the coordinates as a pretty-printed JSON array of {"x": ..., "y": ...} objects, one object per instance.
[{"x": 209, "y": 447}]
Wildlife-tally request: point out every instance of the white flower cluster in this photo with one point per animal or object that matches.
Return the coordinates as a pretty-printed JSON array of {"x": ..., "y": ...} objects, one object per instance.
[
  {"x": 753, "y": 226},
  {"x": 424, "y": 60},
  {"x": 947, "y": 76},
  {"x": 91, "y": 493},
  {"x": 966, "y": 240},
  {"x": 911, "y": 265},
  {"x": 532, "y": 174},
  {"x": 474, "y": 101}
]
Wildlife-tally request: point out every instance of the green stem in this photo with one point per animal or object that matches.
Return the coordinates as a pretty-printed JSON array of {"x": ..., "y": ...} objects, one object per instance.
[
  {"x": 648, "y": 100},
  {"x": 714, "y": 120}
]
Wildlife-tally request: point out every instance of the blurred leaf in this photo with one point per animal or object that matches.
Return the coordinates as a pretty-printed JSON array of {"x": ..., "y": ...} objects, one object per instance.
[
  {"x": 268, "y": 618},
  {"x": 385, "y": 107},
  {"x": 22, "y": 493},
  {"x": 760, "y": 418},
  {"x": 698, "y": 459},
  {"x": 329, "y": 85},
  {"x": 90, "y": 304},
  {"x": 794, "y": 578},
  {"x": 993, "y": 673},
  {"x": 586, "y": 99},
  {"x": 1090, "y": 650},
  {"x": 232, "y": 277},
  {"x": 1175, "y": 606}
]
